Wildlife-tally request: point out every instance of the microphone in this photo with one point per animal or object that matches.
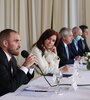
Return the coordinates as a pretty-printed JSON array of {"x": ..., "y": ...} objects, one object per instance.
[{"x": 24, "y": 54}]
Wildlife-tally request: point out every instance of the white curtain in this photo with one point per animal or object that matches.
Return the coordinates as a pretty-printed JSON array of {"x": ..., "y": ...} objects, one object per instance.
[{"x": 31, "y": 17}]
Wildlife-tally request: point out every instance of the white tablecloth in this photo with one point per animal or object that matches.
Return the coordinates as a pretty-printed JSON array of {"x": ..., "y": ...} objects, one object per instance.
[{"x": 82, "y": 92}]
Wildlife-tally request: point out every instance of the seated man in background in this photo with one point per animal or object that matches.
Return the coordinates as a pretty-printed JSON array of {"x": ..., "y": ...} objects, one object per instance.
[
  {"x": 77, "y": 32},
  {"x": 63, "y": 48},
  {"x": 82, "y": 43},
  {"x": 11, "y": 76}
]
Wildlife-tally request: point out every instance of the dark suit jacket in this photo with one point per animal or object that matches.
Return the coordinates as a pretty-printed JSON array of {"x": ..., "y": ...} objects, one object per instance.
[
  {"x": 63, "y": 56},
  {"x": 74, "y": 51},
  {"x": 9, "y": 83},
  {"x": 83, "y": 49}
]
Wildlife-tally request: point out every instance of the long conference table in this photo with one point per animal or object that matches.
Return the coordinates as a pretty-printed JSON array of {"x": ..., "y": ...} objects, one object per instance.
[{"x": 38, "y": 89}]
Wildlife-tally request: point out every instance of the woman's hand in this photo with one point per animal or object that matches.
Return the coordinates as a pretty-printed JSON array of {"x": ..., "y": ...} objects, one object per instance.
[{"x": 53, "y": 49}]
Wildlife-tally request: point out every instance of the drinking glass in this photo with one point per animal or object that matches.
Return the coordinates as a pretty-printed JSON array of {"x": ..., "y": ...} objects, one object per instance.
[{"x": 57, "y": 79}]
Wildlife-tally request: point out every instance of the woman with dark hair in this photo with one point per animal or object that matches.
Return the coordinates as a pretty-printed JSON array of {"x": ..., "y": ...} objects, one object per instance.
[{"x": 45, "y": 51}]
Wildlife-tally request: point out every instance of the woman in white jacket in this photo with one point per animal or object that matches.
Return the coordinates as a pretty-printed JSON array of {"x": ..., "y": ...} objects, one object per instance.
[{"x": 45, "y": 51}]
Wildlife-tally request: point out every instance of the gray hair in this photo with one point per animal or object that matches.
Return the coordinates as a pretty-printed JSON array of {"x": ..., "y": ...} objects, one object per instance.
[{"x": 64, "y": 31}]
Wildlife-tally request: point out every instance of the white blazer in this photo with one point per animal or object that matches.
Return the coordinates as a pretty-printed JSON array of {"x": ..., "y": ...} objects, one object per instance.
[{"x": 48, "y": 63}]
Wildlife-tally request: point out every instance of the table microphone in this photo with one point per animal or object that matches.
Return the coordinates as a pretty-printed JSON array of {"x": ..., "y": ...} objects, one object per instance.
[{"x": 25, "y": 54}]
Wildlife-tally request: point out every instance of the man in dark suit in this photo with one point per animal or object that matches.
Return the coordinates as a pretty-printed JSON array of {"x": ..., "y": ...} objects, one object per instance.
[
  {"x": 11, "y": 76},
  {"x": 63, "y": 49},
  {"x": 82, "y": 43},
  {"x": 77, "y": 32}
]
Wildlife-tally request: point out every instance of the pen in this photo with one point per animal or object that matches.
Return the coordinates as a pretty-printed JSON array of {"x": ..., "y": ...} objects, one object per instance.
[{"x": 36, "y": 90}]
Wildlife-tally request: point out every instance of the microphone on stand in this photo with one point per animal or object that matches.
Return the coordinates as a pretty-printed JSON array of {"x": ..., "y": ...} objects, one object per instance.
[{"x": 25, "y": 54}]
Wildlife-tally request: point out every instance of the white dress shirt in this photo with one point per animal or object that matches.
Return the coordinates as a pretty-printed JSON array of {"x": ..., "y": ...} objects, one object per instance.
[{"x": 76, "y": 44}]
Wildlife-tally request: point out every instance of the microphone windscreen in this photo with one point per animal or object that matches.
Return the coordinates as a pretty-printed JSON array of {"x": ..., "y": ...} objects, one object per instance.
[{"x": 24, "y": 54}]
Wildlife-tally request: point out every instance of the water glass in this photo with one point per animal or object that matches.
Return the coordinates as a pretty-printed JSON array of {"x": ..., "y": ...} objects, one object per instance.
[{"x": 57, "y": 78}]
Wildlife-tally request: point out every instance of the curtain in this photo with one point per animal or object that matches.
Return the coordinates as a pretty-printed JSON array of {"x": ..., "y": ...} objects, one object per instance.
[{"x": 31, "y": 17}]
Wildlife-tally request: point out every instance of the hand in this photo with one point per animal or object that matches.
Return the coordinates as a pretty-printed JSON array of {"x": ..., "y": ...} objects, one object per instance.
[
  {"x": 64, "y": 69},
  {"x": 78, "y": 58},
  {"x": 53, "y": 49},
  {"x": 30, "y": 60}
]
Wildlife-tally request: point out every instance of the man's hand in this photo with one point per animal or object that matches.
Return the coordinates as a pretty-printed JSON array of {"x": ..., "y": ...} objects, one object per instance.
[{"x": 30, "y": 60}]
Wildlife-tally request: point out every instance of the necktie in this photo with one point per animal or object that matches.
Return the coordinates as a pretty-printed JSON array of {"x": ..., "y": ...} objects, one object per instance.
[
  {"x": 11, "y": 66},
  {"x": 67, "y": 52},
  {"x": 83, "y": 44}
]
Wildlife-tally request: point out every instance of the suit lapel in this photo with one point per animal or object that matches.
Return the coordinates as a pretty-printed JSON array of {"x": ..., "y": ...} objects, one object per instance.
[{"x": 4, "y": 60}]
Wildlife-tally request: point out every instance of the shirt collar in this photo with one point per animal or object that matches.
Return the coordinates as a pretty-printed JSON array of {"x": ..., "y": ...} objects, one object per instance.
[
  {"x": 75, "y": 41},
  {"x": 65, "y": 44},
  {"x": 8, "y": 56},
  {"x": 82, "y": 38}
]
